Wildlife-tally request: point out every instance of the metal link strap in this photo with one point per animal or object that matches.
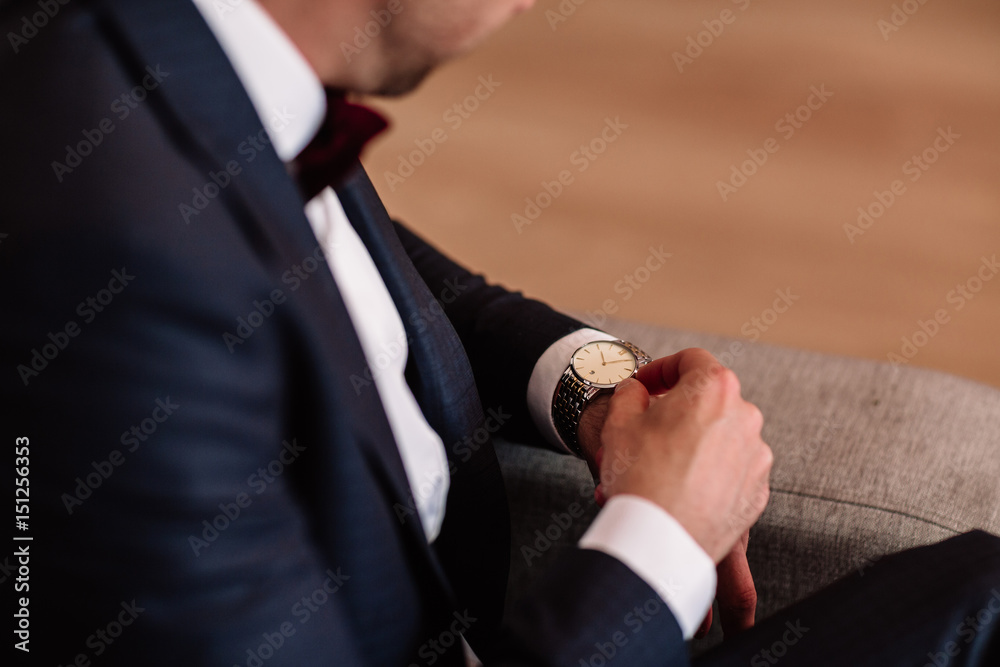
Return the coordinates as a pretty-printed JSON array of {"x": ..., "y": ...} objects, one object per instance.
[{"x": 572, "y": 396}]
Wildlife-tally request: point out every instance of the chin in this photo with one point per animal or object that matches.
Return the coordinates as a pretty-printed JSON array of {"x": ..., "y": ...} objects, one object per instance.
[{"x": 401, "y": 83}]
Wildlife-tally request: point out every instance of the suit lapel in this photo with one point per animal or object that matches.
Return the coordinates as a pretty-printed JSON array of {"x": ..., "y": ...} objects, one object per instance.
[
  {"x": 474, "y": 542},
  {"x": 206, "y": 106},
  {"x": 443, "y": 382}
]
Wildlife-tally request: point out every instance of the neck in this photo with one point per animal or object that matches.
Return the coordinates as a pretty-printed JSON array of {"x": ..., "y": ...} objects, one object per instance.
[{"x": 325, "y": 33}]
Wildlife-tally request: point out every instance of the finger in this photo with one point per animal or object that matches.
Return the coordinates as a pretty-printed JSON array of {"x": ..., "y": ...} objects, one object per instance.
[
  {"x": 754, "y": 420},
  {"x": 736, "y": 594},
  {"x": 629, "y": 401},
  {"x": 663, "y": 374}
]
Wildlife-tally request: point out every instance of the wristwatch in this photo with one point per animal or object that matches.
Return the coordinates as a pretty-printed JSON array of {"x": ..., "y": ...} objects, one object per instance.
[{"x": 594, "y": 369}]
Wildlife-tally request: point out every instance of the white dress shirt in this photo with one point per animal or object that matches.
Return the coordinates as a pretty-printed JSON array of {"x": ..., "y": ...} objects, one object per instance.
[{"x": 289, "y": 99}]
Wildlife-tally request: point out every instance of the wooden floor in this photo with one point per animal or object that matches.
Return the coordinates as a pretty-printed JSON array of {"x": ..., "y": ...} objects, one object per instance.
[{"x": 602, "y": 94}]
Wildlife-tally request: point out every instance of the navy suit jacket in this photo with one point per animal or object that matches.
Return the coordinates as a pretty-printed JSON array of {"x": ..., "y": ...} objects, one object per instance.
[{"x": 213, "y": 480}]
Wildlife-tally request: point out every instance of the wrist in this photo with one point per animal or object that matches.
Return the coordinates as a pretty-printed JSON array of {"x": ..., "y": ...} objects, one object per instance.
[{"x": 594, "y": 370}]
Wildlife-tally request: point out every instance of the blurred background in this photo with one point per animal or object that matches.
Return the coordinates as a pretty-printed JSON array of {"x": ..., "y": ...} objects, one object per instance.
[{"x": 742, "y": 137}]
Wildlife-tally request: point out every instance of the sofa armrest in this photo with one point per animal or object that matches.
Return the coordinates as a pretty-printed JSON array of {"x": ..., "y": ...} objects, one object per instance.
[{"x": 868, "y": 460}]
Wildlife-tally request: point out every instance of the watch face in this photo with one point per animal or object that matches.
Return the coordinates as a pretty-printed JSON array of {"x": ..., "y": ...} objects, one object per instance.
[{"x": 604, "y": 363}]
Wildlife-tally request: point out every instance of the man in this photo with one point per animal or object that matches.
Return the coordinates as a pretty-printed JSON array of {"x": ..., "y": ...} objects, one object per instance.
[{"x": 254, "y": 406}]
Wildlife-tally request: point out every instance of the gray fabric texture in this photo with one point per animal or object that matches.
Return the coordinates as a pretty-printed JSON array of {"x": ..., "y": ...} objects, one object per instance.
[{"x": 868, "y": 460}]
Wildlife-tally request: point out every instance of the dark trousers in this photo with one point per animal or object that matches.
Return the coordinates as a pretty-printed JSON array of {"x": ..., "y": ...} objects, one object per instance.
[{"x": 934, "y": 606}]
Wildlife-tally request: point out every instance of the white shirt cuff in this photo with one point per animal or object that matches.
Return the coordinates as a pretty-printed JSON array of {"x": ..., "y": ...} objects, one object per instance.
[
  {"x": 644, "y": 537},
  {"x": 545, "y": 376}
]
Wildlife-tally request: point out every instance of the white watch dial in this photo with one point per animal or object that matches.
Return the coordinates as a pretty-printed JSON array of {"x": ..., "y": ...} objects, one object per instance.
[{"x": 604, "y": 363}]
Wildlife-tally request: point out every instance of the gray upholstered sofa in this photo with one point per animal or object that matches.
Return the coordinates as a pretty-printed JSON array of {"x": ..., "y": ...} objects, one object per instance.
[{"x": 868, "y": 459}]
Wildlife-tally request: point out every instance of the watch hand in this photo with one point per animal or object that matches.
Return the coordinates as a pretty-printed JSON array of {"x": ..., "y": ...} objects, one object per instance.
[
  {"x": 620, "y": 361},
  {"x": 603, "y": 362}
]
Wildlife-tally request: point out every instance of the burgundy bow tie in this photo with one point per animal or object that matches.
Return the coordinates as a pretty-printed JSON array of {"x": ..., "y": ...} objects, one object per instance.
[{"x": 336, "y": 147}]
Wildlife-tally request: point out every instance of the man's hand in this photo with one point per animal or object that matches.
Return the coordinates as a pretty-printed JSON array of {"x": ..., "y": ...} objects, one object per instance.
[{"x": 696, "y": 450}]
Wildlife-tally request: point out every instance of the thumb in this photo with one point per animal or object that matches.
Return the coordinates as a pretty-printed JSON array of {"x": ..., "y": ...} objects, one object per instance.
[{"x": 629, "y": 401}]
